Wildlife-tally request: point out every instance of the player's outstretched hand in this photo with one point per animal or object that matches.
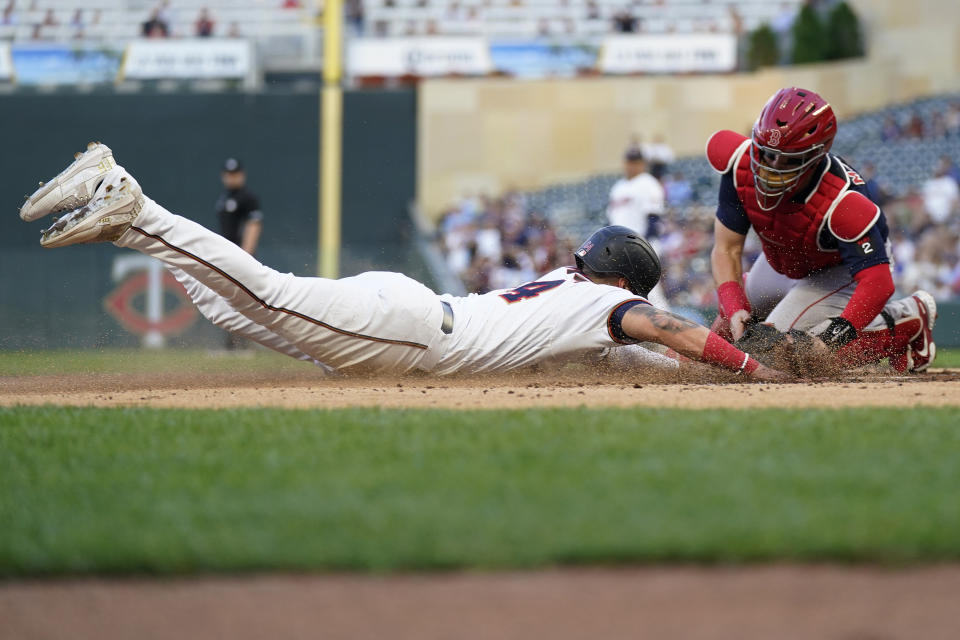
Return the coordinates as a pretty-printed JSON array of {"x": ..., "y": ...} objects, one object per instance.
[
  {"x": 766, "y": 374},
  {"x": 739, "y": 322}
]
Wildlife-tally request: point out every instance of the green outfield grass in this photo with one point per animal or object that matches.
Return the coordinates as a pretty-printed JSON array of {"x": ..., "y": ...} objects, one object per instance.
[
  {"x": 166, "y": 491},
  {"x": 948, "y": 358}
]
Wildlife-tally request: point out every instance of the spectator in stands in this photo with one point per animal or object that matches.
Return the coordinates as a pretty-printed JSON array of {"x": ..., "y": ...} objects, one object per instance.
[
  {"x": 890, "y": 129},
  {"x": 77, "y": 24},
  {"x": 543, "y": 28},
  {"x": 952, "y": 169},
  {"x": 203, "y": 27},
  {"x": 473, "y": 22},
  {"x": 234, "y": 30},
  {"x": 154, "y": 27},
  {"x": 50, "y": 19},
  {"x": 624, "y": 22},
  {"x": 938, "y": 125},
  {"x": 909, "y": 212},
  {"x": 354, "y": 15},
  {"x": 952, "y": 120},
  {"x": 941, "y": 195},
  {"x": 915, "y": 127},
  {"x": 510, "y": 272},
  {"x": 593, "y": 10},
  {"x": 736, "y": 21},
  {"x": 678, "y": 190},
  {"x": 8, "y": 17},
  {"x": 782, "y": 25},
  {"x": 295, "y": 4},
  {"x": 165, "y": 12}
]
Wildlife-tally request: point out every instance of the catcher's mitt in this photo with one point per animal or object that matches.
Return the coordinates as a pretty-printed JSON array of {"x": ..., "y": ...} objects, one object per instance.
[{"x": 795, "y": 351}]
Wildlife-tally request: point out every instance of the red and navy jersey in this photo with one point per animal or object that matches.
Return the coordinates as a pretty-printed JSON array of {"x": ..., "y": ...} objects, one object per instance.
[{"x": 832, "y": 221}]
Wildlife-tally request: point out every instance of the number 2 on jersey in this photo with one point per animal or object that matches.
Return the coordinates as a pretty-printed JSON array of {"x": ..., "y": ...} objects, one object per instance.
[{"x": 530, "y": 290}]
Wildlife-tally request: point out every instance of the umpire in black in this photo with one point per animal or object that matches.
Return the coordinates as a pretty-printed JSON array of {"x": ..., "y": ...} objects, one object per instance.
[
  {"x": 238, "y": 209},
  {"x": 241, "y": 221}
]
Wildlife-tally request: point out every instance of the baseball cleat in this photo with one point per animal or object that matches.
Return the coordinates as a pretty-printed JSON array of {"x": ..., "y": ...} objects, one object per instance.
[
  {"x": 73, "y": 187},
  {"x": 921, "y": 351},
  {"x": 111, "y": 211}
]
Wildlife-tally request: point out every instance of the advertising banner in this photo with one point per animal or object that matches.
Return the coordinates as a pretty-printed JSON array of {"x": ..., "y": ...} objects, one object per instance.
[
  {"x": 532, "y": 59},
  {"x": 434, "y": 56},
  {"x": 56, "y": 63},
  {"x": 188, "y": 59},
  {"x": 678, "y": 53}
]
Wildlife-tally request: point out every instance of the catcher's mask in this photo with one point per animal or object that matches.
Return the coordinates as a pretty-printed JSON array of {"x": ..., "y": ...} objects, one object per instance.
[
  {"x": 795, "y": 129},
  {"x": 620, "y": 251}
]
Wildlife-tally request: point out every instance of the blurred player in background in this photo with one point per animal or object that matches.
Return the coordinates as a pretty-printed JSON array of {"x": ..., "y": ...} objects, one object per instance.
[
  {"x": 384, "y": 322},
  {"x": 637, "y": 202},
  {"x": 825, "y": 266},
  {"x": 240, "y": 218}
]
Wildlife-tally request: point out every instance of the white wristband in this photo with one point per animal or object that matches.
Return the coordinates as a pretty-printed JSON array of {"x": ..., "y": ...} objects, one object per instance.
[{"x": 746, "y": 359}]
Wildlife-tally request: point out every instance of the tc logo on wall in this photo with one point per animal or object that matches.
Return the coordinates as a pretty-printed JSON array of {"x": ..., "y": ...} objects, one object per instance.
[{"x": 148, "y": 301}]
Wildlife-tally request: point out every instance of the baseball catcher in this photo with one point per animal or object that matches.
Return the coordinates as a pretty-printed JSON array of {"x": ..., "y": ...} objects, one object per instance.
[{"x": 825, "y": 267}]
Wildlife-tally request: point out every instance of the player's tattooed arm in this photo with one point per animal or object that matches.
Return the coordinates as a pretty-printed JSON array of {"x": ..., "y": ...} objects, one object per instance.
[
  {"x": 649, "y": 324},
  {"x": 665, "y": 321}
]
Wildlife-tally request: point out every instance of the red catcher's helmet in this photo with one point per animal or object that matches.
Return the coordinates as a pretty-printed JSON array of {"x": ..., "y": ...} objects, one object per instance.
[{"x": 795, "y": 129}]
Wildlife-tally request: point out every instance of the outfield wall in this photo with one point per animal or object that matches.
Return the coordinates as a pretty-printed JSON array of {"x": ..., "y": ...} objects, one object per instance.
[
  {"x": 175, "y": 145},
  {"x": 489, "y": 135}
]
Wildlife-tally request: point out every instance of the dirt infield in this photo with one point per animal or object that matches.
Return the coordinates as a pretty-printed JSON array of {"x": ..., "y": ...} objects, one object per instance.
[
  {"x": 783, "y": 601},
  {"x": 308, "y": 390}
]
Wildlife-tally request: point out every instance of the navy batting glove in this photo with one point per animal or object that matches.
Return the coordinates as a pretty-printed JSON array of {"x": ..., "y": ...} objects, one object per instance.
[{"x": 838, "y": 333}]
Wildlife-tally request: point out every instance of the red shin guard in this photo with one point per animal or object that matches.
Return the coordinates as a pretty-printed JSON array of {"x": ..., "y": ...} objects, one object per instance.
[{"x": 873, "y": 346}]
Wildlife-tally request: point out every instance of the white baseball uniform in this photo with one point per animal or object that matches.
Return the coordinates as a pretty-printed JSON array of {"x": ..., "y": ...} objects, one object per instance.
[
  {"x": 632, "y": 202},
  {"x": 387, "y": 322}
]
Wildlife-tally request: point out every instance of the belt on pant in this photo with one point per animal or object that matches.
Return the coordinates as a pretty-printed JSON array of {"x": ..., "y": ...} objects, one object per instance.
[{"x": 447, "y": 325}]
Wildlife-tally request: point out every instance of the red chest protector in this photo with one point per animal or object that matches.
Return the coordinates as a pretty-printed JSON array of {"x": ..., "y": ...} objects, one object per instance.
[{"x": 789, "y": 232}]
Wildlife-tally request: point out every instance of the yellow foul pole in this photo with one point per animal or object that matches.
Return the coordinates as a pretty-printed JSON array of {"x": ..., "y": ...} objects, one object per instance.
[{"x": 331, "y": 119}]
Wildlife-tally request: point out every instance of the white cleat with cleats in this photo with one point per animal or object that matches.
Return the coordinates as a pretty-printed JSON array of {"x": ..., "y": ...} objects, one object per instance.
[
  {"x": 73, "y": 187},
  {"x": 112, "y": 209}
]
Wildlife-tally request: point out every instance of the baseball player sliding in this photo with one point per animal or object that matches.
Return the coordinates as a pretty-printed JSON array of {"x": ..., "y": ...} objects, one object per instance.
[
  {"x": 387, "y": 322},
  {"x": 825, "y": 267}
]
